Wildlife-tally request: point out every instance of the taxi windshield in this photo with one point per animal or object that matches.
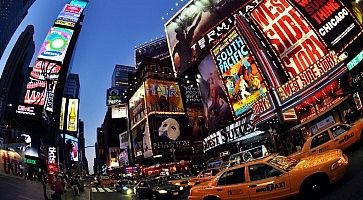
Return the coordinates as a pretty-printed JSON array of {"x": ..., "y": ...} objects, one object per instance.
[{"x": 283, "y": 162}]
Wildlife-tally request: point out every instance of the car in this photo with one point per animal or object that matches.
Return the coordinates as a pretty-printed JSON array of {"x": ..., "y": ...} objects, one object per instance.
[
  {"x": 180, "y": 179},
  {"x": 106, "y": 181},
  {"x": 125, "y": 186},
  {"x": 274, "y": 177},
  {"x": 338, "y": 136},
  {"x": 157, "y": 189},
  {"x": 203, "y": 176}
]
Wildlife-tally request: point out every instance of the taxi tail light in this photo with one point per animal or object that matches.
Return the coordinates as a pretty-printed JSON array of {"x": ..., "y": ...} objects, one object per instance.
[{"x": 337, "y": 164}]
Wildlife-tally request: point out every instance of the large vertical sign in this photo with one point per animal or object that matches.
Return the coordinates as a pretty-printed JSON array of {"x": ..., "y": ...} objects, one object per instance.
[
  {"x": 52, "y": 160},
  {"x": 292, "y": 38},
  {"x": 55, "y": 44},
  {"x": 240, "y": 72},
  {"x": 70, "y": 14},
  {"x": 72, "y": 115},
  {"x": 137, "y": 106},
  {"x": 163, "y": 96},
  {"x": 334, "y": 23},
  {"x": 141, "y": 140},
  {"x": 62, "y": 113}
]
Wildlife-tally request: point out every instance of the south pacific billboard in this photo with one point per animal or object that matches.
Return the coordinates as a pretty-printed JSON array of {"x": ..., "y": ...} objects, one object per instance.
[
  {"x": 163, "y": 96},
  {"x": 55, "y": 44},
  {"x": 239, "y": 71}
]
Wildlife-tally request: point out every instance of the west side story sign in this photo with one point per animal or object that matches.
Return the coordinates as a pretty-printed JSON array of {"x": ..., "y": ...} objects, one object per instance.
[{"x": 231, "y": 133}]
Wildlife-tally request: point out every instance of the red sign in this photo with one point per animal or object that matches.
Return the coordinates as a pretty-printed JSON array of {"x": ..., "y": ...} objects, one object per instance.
[
  {"x": 292, "y": 38},
  {"x": 308, "y": 76},
  {"x": 73, "y": 9}
]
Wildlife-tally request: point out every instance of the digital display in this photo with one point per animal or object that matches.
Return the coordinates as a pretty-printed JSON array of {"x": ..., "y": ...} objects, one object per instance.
[
  {"x": 72, "y": 143},
  {"x": 78, "y": 3},
  {"x": 114, "y": 96},
  {"x": 72, "y": 115},
  {"x": 119, "y": 111},
  {"x": 292, "y": 38},
  {"x": 56, "y": 44},
  {"x": 333, "y": 22},
  {"x": 141, "y": 140},
  {"x": 240, "y": 72},
  {"x": 163, "y": 96}
]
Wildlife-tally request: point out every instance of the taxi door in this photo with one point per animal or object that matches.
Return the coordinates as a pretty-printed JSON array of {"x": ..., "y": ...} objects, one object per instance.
[
  {"x": 267, "y": 182},
  {"x": 343, "y": 135},
  {"x": 232, "y": 185},
  {"x": 321, "y": 142}
]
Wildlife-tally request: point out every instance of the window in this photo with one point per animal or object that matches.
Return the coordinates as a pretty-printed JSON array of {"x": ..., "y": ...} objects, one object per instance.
[
  {"x": 262, "y": 171},
  {"x": 231, "y": 177},
  {"x": 320, "y": 139},
  {"x": 339, "y": 129}
]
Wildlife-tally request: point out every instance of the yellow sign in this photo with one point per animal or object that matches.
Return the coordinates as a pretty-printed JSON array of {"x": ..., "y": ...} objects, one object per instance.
[{"x": 72, "y": 116}]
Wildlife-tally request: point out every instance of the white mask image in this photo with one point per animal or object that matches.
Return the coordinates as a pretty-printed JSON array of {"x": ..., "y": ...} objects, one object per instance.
[{"x": 170, "y": 128}]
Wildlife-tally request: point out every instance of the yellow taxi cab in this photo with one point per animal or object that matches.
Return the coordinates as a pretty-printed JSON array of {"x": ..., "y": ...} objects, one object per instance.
[
  {"x": 338, "y": 136},
  {"x": 274, "y": 177},
  {"x": 203, "y": 176}
]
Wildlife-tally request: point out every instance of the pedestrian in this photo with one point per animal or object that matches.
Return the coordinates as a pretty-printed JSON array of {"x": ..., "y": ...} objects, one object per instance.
[
  {"x": 58, "y": 188},
  {"x": 74, "y": 185},
  {"x": 42, "y": 180}
]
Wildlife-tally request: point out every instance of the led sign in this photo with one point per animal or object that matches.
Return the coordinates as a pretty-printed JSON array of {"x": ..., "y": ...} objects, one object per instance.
[{"x": 355, "y": 61}]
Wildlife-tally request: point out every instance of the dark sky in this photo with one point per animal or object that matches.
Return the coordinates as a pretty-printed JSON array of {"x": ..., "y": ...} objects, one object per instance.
[{"x": 111, "y": 30}]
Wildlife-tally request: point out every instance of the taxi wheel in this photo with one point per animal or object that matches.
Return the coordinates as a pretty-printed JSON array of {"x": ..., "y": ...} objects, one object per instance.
[
  {"x": 314, "y": 186},
  {"x": 211, "y": 198}
]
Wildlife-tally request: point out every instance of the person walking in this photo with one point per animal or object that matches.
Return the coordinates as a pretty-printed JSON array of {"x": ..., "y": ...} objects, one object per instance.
[{"x": 58, "y": 188}]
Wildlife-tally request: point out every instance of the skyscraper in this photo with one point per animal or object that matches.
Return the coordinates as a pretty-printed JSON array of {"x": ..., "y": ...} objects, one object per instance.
[
  {"x": 12, "y": 13},
  {"x": 72, "y": 86},
  {"x": 120, "y": 75}
]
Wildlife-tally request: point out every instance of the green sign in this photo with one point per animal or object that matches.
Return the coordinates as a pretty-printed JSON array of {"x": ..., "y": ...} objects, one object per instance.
[
  {"x": 31, "y": 161},
  {"x": 354, "y": 62}
]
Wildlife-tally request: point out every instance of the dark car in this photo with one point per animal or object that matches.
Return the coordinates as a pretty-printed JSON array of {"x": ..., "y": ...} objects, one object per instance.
[
  {"x": 157, "y": 189},
  {"x": 125, "y": 186}
]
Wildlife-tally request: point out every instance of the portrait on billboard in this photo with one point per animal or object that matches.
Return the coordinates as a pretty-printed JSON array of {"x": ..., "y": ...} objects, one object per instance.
[
  {"x": 72, "y": 145},
  {"x": 186, "y": 29},
  {"x": 239, "y": 71},
  {"x": 196, "y": 122},
  {"x": 163, "y": 96},
  {"x": 168, "y": 131},
  {"x": 215, "y": 102},
  {"x": 137, "y": 109},
  {"x": 141, "y": 140},
  {"x": 55, "y": 44}
]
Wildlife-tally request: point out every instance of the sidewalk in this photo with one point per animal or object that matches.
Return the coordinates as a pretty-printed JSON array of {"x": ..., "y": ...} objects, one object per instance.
[{"x": 83, "y": 195}]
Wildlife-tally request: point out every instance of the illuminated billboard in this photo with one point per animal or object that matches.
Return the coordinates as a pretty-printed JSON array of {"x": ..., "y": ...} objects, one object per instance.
[
  {"x": 52, "y": 160},
  {"x": 333, "y": 21},
  {"x": 292, "y": 38},
  {"x": 114, "y": 96},
  {"x": 70, "y": 14},
  {"x": 62, "y": 113},
  {"x": 72, "y": 115},
  {"x": 11, "y": 163},
  {"x": 169, "y": 131},
  {"x": 137, "y": 106},
  {"x": 190, "y": 32},
  {"x": 79, "y": 3},
  {"x": 72, "y": 144},
  {"x": 119, "y": 111},
  {"x": 239, "y": 71},
  {"x": 55, "y": 44},
  {"x": 141, "y": 140},
  {"x": 214, "y": 99},
  {"x": 163, "y": 96}
]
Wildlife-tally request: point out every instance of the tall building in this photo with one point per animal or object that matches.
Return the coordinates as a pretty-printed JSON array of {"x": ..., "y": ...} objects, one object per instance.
[
  {"x": 15, "y": 70},
  {"x": 157, "y": 49},
  {"x": 83, "y": 162},
  {"x": 72, "y": 86},
  {"x": 12, "y": 13},
  {"x": 120, "y": 75}
]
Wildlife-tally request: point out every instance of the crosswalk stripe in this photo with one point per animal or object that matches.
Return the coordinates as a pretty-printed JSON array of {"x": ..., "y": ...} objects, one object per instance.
[
  {"x": 100, "y": 190},
  {"x": 94, "y": 190},
  {"x": 108, "y": 189}
]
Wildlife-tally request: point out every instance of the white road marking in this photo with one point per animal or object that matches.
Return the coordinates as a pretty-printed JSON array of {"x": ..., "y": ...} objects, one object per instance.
[
  {"x": 100, "y": 190},
  {"x": 94, "y": 190},
  {"x": 108, "y": 189}
]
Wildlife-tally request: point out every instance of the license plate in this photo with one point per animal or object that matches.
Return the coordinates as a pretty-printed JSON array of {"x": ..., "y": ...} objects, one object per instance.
[{"x": 175, "y": 193}]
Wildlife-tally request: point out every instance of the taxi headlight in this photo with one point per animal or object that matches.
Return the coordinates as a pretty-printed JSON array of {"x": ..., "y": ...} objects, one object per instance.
[
  {"x": 129, "y": 191},
  {"x": 163, "y": 191},
  {"x": 125, "y": 188},
  {"x": 338, "y": 163},
  {"x": 181, "y": 188}
]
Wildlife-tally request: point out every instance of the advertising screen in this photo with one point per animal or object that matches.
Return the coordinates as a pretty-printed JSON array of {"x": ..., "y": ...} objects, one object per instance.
[
  {"x": 169, "y": 131},
  {"x": 119, "y": 111},
  {"x": 55, "y": 44},
  {"x": 137, "y": 106},
  {"x": 240, "y": 72},
  {"x": 196, "y": 122},
  {"x": 333, "y": 21},
  {"x": 292, "y": 38},
  {"x": 72, "y": 144},
  {"x": 78, "y": 3},
  {"x": 62, "y": 113},
  {"x": 11, "y": 163},
  {"x": 163, "y": 96},
  {"x": 215, "y": 102},
  {"x": 192, "y": 95},
  {"x": 72, "y": 115},
  {"x": 114, "y": 96},
  {"x": 190, "y": 31},
  {"x": 52, "y": 160},
  {"x": 141, "y": 140},
  {"x": 70, "y": 14}
]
